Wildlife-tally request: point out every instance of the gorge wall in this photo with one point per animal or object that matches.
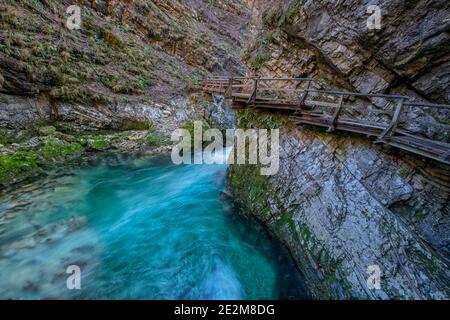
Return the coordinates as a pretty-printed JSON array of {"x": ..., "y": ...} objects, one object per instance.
[
  {"x": 341, "y": 206},
  {"x": 124, "y": 81},
  {"x": 340, "y": 203},
  {"x": 125, "y": 52}
]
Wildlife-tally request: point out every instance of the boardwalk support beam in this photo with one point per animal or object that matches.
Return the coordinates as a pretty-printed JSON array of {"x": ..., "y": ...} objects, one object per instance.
[
  {"x": 301, "y": 103},
  {"x": 252, "y": 100},
  {"x": 390, "y": 130},
  {"x": 336, "y": 114},
  {"x": 229, "y": 92}
]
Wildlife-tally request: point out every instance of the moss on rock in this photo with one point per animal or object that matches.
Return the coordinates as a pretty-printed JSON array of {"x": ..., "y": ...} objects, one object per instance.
[
  {"x": 54, "y": 150},
  {"x": 47, "y": 130},
  {"x": 254, "y": 193},
  {"x": 98, "y": 143},
  {"x": 16, "y": 165},
  {"x": 7, "y": 137},
  {"x": 250, "y": 119}
]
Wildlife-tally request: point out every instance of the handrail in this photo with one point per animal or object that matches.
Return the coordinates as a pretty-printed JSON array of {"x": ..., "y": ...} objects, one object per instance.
[
  {"x": 407, "y": 102},
  {"x": 252, "y": 92}
]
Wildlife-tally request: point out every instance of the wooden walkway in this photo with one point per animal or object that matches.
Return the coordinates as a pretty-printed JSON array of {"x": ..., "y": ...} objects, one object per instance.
[{"x": 325, "y": 108}]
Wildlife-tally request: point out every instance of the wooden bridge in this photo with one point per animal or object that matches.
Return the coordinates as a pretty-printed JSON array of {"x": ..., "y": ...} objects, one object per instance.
[{"x": 326, "y": 108}]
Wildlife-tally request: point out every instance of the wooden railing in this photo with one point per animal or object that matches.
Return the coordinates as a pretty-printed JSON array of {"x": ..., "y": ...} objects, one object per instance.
[{"x": 326, "y": 108}]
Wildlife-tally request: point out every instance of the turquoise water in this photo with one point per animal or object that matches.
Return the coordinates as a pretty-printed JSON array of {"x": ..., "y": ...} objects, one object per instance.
[{"x": 138, "y": 229}]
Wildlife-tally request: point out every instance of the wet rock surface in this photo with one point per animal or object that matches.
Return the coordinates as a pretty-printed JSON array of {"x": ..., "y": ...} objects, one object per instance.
[
  {"x": 220, "y": 113},
  {"x": 342, "y": 206}
]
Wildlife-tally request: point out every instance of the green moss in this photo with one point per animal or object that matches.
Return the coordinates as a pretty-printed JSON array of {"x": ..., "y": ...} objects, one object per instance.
[
  {"x": 7, "y": 137},
  {"x": 190, "y": 126},
  {"x": 55, "y": 149},
  {"x": 294, "y": 231},
  {"x": 249, "y": 119},
  {"x": 284, "y": 219},
  {"x": 98, "y": 143},
  {"x": 68, "y": 62},
  {"x": 16, "y": 165},
  {"x": 10, "y": 136},
  {"x": 131, "y": 124},
  {"x": 152, "y": 139},
  {"x": 47, "y": 130},
  {"x": 252, "y": 188}
]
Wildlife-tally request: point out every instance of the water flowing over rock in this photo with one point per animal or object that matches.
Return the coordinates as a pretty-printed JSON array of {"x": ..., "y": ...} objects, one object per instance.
[{"x": 220, "y": 114}]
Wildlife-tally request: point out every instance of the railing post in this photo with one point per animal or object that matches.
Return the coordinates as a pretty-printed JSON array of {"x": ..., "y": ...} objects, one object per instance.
[
  {"x": 302, "y": 100},
  {"x": 390, "y": 130},
  {"x": 336, "y": 114},
  {"x": 252, "y": 99},
  {"x": 229, "y": 92}
]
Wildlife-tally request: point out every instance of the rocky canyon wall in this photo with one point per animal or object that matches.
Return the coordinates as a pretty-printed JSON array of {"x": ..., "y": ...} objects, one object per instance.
[
  {"x": 122, "y": 80},
  {"x": 331, "y": 42},
  {"x": 341, "y": 206},
  {"x": 124, "y": 52},
  {"x": 340, "y": 203}
]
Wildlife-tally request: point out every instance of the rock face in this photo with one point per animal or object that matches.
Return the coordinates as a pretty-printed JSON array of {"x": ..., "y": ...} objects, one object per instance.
[
  {"x": 342, "y": 206},
  {"x": 220, "y": 114},
  {"x": 22, "y": 113},
  {"x": 122, "y": 49},
  {"x": 410, "y": 48},
  {"x": 331, "y": 42}
]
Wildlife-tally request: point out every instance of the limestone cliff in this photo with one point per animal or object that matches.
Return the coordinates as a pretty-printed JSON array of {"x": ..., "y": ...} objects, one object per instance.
[
  {"x": 340, "y": 203},
  {"x": 330, "y": 41},
  {"x": 122, "y": 81},
  {"x": 125, "y": 52},
  {"x": 122, "y": 49}
]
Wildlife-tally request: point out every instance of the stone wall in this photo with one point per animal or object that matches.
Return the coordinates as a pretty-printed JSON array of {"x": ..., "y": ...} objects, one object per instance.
[
  {"x": 330, "y": 41},
  {"x": 342, "y": 205}
]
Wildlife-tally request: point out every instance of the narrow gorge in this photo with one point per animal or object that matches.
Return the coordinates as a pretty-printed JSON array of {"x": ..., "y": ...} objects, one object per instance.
[{"x": 87, "y": 117}]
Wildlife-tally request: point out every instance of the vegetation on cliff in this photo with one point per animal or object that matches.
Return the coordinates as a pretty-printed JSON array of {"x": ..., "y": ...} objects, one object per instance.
[
  {"x": 22, "y": 157},
  {"x": 122, "y": 51},
  {"x": 125, "y": 52}
]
